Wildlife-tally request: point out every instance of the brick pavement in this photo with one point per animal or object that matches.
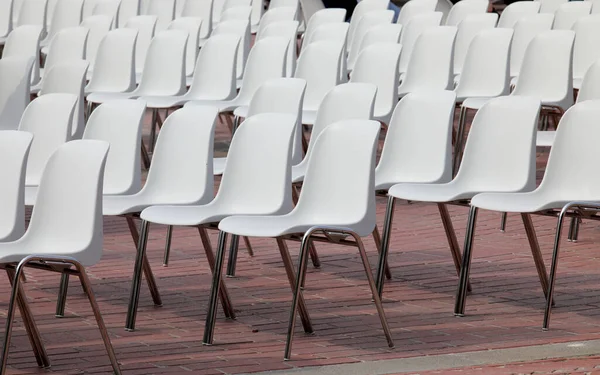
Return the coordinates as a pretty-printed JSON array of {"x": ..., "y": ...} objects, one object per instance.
[{"x": 505, "y": 309}]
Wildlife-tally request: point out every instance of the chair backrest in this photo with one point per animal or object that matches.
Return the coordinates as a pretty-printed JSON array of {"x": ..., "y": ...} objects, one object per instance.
[
  {"x": 215, "y": 74},
  {"x": 88, "y": 8},
  {"x": 348, "y": 101},
  {"x": 229, "y": 4},
  {"x": 467, "y": 30},
  {"x": 486, "y": 66},
  {"x": 67, "y": 216},
  {"x": 69, "y": 78},
  {"x": 567, "y": 14},
  {"x": 418, "y": 143},
  {"x": 283, "y": 4},
  {"x": 275, "y": 15},
  {"x": 119, "y": 122},
  {"x": 127, "y": 10},
  {"x": 388, "y": 33},
  {"x": 164, "y": 10},
  {"x": 114, "y": 68},
  {"x": 14, "y": 148},
  {"x": 237, "y": 14},
  {"x": 258, "y": 9},
  {"x": 266, "y": 61},
  {"x": 257, "y": 176},
  {"x": 525, "y": 30},
  {"x": 590, "y": 85},
  {"x": 368, "y": 21},
  {"x": 507, "y": 122},
  {"x": 282, "y": 95},
  {"x": 6, "y": 19},
  {"x": 414, "y": 8},
  {"x": 336, "y": 33},
  {"x": 108, "y": 8},
  {"x": 67, "y": 45},
  {"x": 571, "y": 158},
  {"x": 319, "y": 66},
  {"x": 412, "y": 31},
  {"x": 49, "y": 119},
  {"x": 547, "y": 69},
  {"x": 217, "y": 9},
  {"x": 67, "y": 13},
  {"x": 33, "y": 12},
  {"x": 191, "y": 25},
  {"x": 587, "y": 39},
  {"x": 465, "y": 8},
  {"x": 430, "y": 65},
  {"x": 595, "y": 6},
  {"x": 99, "y": 26},
  {"x": 145, "y": 25},
  {"x": 339, "y": 184},
  {"x": 385, "y": 57},
  {"x": 363, "y": 7},
  {"x": 15, "y": 75},
  {"x": 288, "y": 30},
  {"x": 24, "y": 41},
  {"x": 164, "y": 69},
  {"x": 240, "y": 29},
  {"x": 514, "y": 12},
  {"x": 323, "y": 17},
  {"x": 201, "y": 9},
  {"x": 182, "y": 167},
  {"x": 550, "y": 6}
]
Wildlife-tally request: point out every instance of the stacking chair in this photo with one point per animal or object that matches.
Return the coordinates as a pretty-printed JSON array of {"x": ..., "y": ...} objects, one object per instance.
[
  {"x": 467, "y": 30},
  {"x": 146, "y": 26},
  {"x": 99, "y": 26},
  {"x": 65, "y": 231},
  {"x": 67, "y": 13},
  {"x": 24, "y": 41},
  {"x": 164, "y": 10},
  {"x": 275, "y": 15},
  {"x": 88, "y": 8},
  {"x": 367, "y": 22},
  {"x": 69, "y": 78},
  {"x": 514, "y": 12},
  {"x": 230, "y": 4},
  {"x": 340, "y": 170},
  {"x": 503, "y": 122},
  {"x": 192, "y": 26},
  {"x": 241, "y": 29},
  {"x": 127, "y": 10},
  {"x": 33, "y": 12},
  {"x": 410, "y": 34},
  {"x": 385, "y": 57},
  {"x": 551, "y": 6},
  {"x": 237, "y": 14},
  {"x": 247, "y": 187},
  {"x": 590, "y": 85},
  {"x": 381, "y": 34},
  {"x": 201, "y": 9},
  {"x": 337, "y": 33},
  {"x": 415, "y": 8},
  {"x": 568, "y": 14},
  {"x": 15, "y": 75},
  {"x": 6, "y": 20},
  {"x": 363, "y": 7},
  {"x": 585, "y": 53},
  {"x": 283, "y": 4},
  {"x": 463, "y": 9},
  {"x": 568, "y": 189},
  {"x": 108, "y": 8},
  {"x": 288, "y": 30},
  {"x": 430, "y": 65},
  {"x": 525, "y": 30},
  {"x": 320, "y": 18}
]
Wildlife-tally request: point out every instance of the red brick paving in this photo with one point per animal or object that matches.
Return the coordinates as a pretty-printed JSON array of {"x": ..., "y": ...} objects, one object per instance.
[{"x": 504, "y": 310}]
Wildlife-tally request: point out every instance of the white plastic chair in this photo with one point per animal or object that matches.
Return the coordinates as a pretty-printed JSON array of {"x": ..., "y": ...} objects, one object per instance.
[
  {"x": 502, "y": 123},
  {"x": 340, "y": 170},
  {"x": 567, "y": 179},
  {"x": 430, "y": 65},
  {"x": 336, "y": 33},
  {"x": 467, "y": 30},
  {"x": 323, "y": 17},
  {"x": 585, "y": 53},
  {"x": 525, "y": 30},
  {"x": 288, "y": 30},
  {"x": 146, "y": 26},
  {"x": 389, "y": 33},
  {"x": 33, "y": 12},
  {"x": 514, "y": 12},
  {"x": 237, "y": 14},
  {"x": 241, "y": 29},
  {"x": 99, "y": 26},
  {"x": 88, "y": 8},
  {"x": 108, "y": 8},
  {"x": 368, "y": 21},
  {"x": 14, "y": 148},
  {"x": 385, "y": 57},
  {"x": 24, "y": 41},
  {"x": 128, "y": 9},
  {"x": 15, "y": 75},
  {"x": 550, "y": 6},
  {"x": 6, "y": 20},
  {"x": 363, "y": 7},
  {"x": 415, "y": 8},
  {"x": 258, "y": 8},
  {"x": 65, "y": 229},
  {"x": 114, "y": 68},
  {"x": 410, "y": 35},
  {"x": 66, "y": 14},
  {"x": 119, "y": 123},
  {"x": 201, "y": 9},
  {"x": 275, "y": 15},
  {"x": 164, "y": 10},
  {"x": 217, "y": 9},
  {"x": 465, "y": 8},
  {"x": 568, "y": 14},
  {"x": 229, "y": 4},
  {"x": 590, "y": 85},
  {"x": 69, "y": 78},
  {"x": 595, "y": 6},
  {"x": 16, "y": 9},
  {"x": 283, "y": 4},
  {"x": 246, "y": 186},
  {"x": 192, "y": 26}
]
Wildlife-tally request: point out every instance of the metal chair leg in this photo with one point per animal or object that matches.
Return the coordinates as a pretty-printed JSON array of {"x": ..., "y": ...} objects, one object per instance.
[
  {"x": 536, "y": 252},
  {"x": 209, "y": 326},
  {"x": 503, "y": 222},
  {"x": 168, "y": 246},
  {"x": 385, "y": 244},
  {"x": 312, "y": 249},
  {"x": 153, "y": 129},
  {"x": 452, "y": 241},
  {"x": 461, "y": 293},
  {"x": 458, "y": 145},
  {"x": 377, "y": 239},
  {"x": 145, "y": 157},
  {"x": 248, "y": 246},
  {"x": 62, "y": 295},
  {"x": 137, "y": 277},
  {"x": 233, "y": 253}
]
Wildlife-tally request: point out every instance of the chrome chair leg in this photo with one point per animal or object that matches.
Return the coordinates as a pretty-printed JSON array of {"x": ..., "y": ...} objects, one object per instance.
[
  {"x": 503, "y": 222},
  {"x": 385, "y": 243},
  {"x": 536, "y": 252},
  {"x": 62, "y": 295},
  {"x": 461, "y": 293},
  {"x": 209, "y": 326},
  {"x": 168, "y": 246},
  {"x": 377, "y": 239},
  {"x": 248, "y": 246},
  {"x": 458, "y": 145},
  {"x": 233, "y": 253},
  {"x": 452, "y": 240},
  {"x": 153, "y": 125},
  {"x": 137, "y": 277}
]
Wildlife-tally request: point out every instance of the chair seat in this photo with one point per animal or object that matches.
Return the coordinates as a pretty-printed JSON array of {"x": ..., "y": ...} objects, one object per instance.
[
  {"x": 189, "y": 81},
  {"x": 299, "y": 171},
  {"x": 186, "y": 215},
  {"x": 263, "y": 226},
  {"x": 114, "y": 205},
  {"x": 577, "y": 82},
  {"x": 545, "y": 138},
  {"x": 162, "y": 102},
  {"x": 222, "y": 105},
  {"x": 518, "y": 202},
  {"x": 241, "y": 111},
  {"x": 430, "y": 192},
  {"x": 309, "y": 116},
  {"x": 102, "y": 97},
  {"x": 475, "y": 103},
  {"x": 44, "y": 50},
  {"x": 219, "y": 166},
  {"x": 30, "y": 195}
]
